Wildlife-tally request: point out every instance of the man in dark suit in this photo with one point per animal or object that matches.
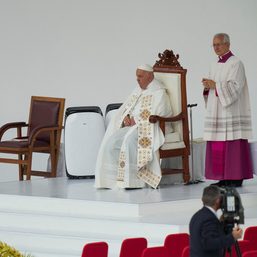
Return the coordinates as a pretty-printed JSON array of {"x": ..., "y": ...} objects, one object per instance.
[{"x": 207, "y": 237}]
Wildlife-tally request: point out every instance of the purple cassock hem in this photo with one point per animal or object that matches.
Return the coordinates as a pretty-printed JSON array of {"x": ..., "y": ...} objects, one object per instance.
[{"x": 228, "y": 160}]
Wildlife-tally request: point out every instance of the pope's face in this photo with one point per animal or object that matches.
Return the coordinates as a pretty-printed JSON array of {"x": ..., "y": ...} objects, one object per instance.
[
  {"x": 219, "y": 46},
  {"x": 143, "y": 78}
]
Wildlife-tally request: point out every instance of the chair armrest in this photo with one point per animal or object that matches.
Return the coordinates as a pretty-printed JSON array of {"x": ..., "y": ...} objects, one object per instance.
[
  {"x": 11, "y": 125},
  {"x": 40, "y": 129},
  {"x": 155, "y": 118},
  {"x": 162, "y": 120}
]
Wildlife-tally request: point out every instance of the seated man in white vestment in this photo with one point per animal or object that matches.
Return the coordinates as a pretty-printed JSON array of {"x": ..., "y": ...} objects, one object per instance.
[{"x": 129, "y": 153}]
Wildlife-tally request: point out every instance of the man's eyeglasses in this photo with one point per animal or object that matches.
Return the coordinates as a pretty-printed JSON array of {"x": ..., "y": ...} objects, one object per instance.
[{"x": 217, "y": 45}]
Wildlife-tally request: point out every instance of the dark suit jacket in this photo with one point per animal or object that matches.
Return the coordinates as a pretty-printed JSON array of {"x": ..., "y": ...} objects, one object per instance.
[{"x": 207, "y": 238}]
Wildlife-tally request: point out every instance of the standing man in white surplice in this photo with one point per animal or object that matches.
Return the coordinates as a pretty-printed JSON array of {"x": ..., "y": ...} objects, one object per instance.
[{"x": 228, "y": 118}]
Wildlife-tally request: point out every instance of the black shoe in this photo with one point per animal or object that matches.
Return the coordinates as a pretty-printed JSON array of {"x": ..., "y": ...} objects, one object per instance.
[
  {"x": 236, "y": 183},
  {"x": 132, "y": 188},
  {"x": 233, "y": 183},
  {"x": 221, "y": 183}
]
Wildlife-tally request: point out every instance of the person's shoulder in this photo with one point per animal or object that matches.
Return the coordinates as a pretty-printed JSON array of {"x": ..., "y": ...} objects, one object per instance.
[
  {"x": 205, "y": 212},
  {"x": 158, "y": 84},
  {"x": 199, "y": 213},
  {"x": 136, "y": 91},
  {"x": 197, "y": 218},
  {"x": 235, "y": 62},
  {"x": 234, "y": 58}
]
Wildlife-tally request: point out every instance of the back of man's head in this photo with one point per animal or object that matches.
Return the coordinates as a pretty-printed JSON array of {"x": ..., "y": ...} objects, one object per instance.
[{"x": 210, "y": 195}]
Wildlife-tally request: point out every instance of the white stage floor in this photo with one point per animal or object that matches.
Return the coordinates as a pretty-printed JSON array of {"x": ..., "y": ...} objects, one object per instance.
[
  {"x": 57, "y": 216},
  {"x": 83, "y": 189},
  {"x": 187, "y": 197}
]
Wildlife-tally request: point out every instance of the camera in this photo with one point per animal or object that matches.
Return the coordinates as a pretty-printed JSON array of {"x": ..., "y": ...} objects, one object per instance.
[{"x": 232, "y": 208}]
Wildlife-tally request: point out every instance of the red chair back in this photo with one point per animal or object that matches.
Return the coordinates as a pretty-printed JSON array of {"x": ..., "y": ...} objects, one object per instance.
[
  {"x": 186, "y": 252},
  {"x": 175, "y": 243},
  {"x": 96, "y": 249},
  {"x": 244, "y": 246},
  {"x": 133, "y": 247},
  {"x": 252, "y": 253},
  {"x": 158, "y": 251},
  {"x": 251, "y": 235}
]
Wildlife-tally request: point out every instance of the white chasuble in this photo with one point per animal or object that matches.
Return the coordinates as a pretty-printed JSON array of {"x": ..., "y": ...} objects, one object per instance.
[{"x": 129, "y": 156}]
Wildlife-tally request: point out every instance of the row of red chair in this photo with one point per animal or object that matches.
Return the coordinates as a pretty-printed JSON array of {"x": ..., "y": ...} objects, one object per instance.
[
  {"x": 175, "y": 245},
  {"x": 248, "y": 246}
]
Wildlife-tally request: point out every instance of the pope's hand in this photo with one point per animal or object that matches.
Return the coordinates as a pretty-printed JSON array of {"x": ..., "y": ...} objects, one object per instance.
[
  {"x": 129, "y": 121},
  {"x": 132, "y": 122}
]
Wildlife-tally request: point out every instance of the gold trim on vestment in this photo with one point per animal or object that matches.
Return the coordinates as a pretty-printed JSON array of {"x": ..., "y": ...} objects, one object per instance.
[{"x": 145, "y": 143}]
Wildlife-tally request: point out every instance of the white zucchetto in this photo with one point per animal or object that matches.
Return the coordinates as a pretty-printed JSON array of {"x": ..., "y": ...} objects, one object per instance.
[{"x": 145, "y": 67}]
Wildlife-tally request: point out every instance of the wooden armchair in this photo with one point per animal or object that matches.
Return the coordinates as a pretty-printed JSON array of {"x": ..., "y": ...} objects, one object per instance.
[
  {"x": 43, "y": 136},
  {"x": 173, "y": 77}
]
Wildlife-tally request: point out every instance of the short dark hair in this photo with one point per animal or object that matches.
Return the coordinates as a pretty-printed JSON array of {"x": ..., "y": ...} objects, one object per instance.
[{"x": 210, "y": 195}]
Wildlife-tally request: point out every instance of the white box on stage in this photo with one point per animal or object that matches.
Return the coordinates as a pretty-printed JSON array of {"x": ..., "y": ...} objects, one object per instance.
[
  {"x": 111, "y": 109},
  {"x": 83, "y": 133}
]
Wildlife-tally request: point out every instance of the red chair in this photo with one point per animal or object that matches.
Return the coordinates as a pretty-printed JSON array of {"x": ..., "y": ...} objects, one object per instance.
[
  {"x": 244, "y": 246},
  {"x": 158, "y": 251},
  {"x": 133, "y": 247},
  {"x": 252, "y": 253},
  {"x": 175, "y": 243},
  {"x": 186, "y": 252},
  {"x": 96, "y": 249},
  {"x": 251, "y": 235}
]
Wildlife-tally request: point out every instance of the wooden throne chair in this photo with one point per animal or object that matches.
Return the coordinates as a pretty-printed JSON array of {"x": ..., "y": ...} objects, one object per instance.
[
  {"x": 169, "y": 71},
  {"x": 43, "y": 136}
]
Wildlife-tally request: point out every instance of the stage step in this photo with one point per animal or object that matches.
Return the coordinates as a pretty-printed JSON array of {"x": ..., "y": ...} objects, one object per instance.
[
  {"x": 61, "y": 222},
  {"x": 42, "y": 230}
]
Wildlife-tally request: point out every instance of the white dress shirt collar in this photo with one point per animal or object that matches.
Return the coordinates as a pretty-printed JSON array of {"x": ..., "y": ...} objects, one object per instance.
[{"x": 212, "y": 210}]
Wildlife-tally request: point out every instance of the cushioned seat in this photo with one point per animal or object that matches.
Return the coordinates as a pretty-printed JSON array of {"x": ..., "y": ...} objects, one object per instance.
[
  {"x": 173, "y": 146},
  {"x": 175, "y": 243},
  {"x": 172, "y": 137},
  {"x": 22, "y": 144},
  {"x": 173, "y": 141},
  {"x": 43, "y": 136}
]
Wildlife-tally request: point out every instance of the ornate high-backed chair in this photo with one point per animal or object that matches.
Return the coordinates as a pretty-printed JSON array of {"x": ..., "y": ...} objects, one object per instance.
[
  {"x": 43, "y": 136},
  {"x": 173, "y": 76}
]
